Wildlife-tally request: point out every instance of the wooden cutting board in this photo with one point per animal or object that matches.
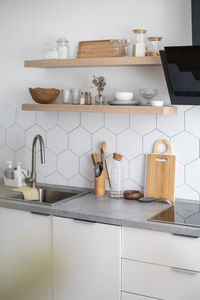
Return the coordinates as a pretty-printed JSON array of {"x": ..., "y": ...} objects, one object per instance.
[
  {"x": 99, "y": 48},
  {"x": 160, "y": 173}
]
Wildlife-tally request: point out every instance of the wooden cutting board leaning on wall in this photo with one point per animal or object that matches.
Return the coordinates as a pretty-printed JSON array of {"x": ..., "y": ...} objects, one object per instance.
[
  {"x": 160, "y": 173},
  {"x": 100, "y": 48}
]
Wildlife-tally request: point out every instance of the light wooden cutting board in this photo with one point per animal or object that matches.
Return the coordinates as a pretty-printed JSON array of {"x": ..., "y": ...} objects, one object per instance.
[
  {"x": 99, "y": 48},
  {"x": 160, "y": 173}
]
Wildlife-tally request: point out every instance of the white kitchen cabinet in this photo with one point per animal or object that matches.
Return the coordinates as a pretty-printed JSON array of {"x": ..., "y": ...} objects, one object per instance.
[
  {"x": 87, "y": 258},
  {"x": 160, "y": 265},
  {"x": 25, "y": 250},
  {"x": 161, "y": 248},
  {"x": 160, "y": 281}
]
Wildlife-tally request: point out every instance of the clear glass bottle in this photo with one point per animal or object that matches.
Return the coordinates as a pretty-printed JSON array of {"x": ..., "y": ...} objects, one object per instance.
[
  {"x": 53, "y": 52},
  {"x": 139, "y": 47},
  {"x": 116, "y": 177},
  {"x": 63, "y": 48},
  {"x": 46, "y": 54},
  {"x": 154, "y": 46}
]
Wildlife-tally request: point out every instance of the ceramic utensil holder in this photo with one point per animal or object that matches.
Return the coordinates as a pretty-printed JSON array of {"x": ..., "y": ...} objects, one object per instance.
[{"x": 99, "y": 184}]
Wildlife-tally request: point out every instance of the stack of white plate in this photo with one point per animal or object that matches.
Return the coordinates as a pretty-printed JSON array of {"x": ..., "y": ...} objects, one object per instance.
[{"x": 123, "y": 98}]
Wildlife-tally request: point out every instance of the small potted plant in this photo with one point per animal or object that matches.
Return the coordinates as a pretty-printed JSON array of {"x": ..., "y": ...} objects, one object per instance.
[{"x": 100, "y": 83}]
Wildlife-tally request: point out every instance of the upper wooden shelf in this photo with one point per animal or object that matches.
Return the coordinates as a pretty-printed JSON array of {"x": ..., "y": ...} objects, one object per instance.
[
  {"x": 94, "y": 62},
  {"x": 165, "y": 110}
]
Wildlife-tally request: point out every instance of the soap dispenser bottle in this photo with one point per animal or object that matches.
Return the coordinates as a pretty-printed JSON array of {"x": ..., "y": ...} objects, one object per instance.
[
  {"x": 18, "y": 173},
  {"x": 9, "y": 172}
]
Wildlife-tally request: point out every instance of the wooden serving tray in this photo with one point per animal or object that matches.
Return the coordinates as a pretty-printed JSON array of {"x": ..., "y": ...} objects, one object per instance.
[{"x": 99, "y": 48}]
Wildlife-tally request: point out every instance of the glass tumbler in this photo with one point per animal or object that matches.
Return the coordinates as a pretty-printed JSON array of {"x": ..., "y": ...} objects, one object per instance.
[
  {"x": 66, "y": 96},
  {"x": 75, "y": 94}
]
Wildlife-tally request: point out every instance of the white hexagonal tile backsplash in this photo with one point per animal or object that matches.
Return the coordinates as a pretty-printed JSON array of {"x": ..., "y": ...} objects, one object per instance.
[{"x": 71, "y": 137}]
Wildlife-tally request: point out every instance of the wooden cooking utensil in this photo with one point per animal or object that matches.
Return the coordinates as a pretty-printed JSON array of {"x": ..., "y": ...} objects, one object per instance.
[
  {"x": 105, "y": 162},
  {"x": 160, "y": 174},
  {"x": 94, "y": 159}
]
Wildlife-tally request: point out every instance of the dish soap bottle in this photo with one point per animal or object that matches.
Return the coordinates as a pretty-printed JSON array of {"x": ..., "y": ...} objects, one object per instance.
[
  {"x": 8, "y": 173},
  {"x": 117, "y": 177}
]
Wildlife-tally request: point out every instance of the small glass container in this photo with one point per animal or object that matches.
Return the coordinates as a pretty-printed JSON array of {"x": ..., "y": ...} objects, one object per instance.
[
  {"x": 154, "y": 46},
  {"x": 46, "y": 54},
  {"x": 88, "y": 98},
  {"x": 63, "y": 48},
  {"x": 116, "y": 177},
  {"x": 75, "y": 94},
  {"x": 99, "y": 100},
  {"x": 139, "y": 47},
  {"x": 53, "y": 53},
  {"x": 148, "y": 94},
  {"x": 66, "y": 96},
  {"x": 82, "y": 99}
]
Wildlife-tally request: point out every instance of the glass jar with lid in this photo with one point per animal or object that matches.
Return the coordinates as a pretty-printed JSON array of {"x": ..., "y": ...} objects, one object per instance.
[
  {"x": 63, "y": 48},
  {"x": 117, "y": 177},
  {"x": 139, "y": 47},
  {"x": 154, "y": 46}
]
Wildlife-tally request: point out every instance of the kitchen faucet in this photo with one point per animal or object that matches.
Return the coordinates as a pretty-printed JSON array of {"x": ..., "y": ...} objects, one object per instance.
[{"x": 32, "y": 179}]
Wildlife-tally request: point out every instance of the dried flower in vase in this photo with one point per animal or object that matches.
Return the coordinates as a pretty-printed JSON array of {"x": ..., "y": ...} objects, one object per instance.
[{"x": 100, "y": 83}]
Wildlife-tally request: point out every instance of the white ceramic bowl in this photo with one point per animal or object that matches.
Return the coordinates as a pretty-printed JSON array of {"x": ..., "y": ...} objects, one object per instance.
[
  {"x": 124, "y": 96},
  {"x": 156, "y": 103}
]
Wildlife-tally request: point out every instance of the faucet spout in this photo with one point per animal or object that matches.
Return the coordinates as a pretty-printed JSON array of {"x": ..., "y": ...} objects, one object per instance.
[{"x": 32, "y": 179}]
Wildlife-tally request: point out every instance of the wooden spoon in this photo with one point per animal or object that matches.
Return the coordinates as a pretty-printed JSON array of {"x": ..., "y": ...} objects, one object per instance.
[
  {"x": 104, "y": 162},
  {"x": 94, "y": 159}
]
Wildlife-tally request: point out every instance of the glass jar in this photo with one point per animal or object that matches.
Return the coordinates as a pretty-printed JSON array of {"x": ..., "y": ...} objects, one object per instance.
[
  {"x": 53, "y": 53},
  {"x": 46, "y": 54},
  {"x": 116, "y": 177},
  {"x": 139, "y": 47},
  {"x": 154, "y": 46},
  {"x": 63, "y": 48}
]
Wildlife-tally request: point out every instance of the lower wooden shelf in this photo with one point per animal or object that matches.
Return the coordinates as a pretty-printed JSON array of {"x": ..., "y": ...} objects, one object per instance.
[{"x": 164, "y": 110}]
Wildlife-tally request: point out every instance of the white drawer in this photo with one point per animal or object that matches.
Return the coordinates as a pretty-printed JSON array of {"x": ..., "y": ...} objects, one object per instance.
[
  {"x": 159, "y": 281},
  {"x": 127, "y": 296},
  {"x": 161, "y": 248}
]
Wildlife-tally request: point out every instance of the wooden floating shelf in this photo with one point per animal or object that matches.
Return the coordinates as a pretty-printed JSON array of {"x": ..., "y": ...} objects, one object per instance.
[
  {"x": 164, "y": 110},
  {"x": 94, "y": 62}
]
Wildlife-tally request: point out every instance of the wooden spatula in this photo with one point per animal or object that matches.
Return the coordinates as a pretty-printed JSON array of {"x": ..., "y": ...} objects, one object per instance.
[{"x": 105, "y": 163}]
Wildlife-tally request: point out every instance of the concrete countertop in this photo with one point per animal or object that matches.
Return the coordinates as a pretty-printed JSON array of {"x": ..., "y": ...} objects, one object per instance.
[{"x": 101, "y": 209}]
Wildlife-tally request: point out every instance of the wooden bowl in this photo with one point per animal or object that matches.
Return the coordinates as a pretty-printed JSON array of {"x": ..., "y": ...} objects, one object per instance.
[{"x": 44, "y": 96}]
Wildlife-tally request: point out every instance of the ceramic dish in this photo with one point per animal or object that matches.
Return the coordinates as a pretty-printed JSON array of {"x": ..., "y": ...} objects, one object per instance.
[
  {"x": 156, "y": 103},
  {"x": 123, "y": 102},
  {"x": 124, "y": 96}
]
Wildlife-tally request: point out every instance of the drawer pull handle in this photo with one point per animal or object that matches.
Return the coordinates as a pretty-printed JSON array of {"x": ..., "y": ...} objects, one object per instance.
[
  {"x": 180, "y": 270},
  {"x": 188, "y": 236},
  {"x": 84, "y": 221}
]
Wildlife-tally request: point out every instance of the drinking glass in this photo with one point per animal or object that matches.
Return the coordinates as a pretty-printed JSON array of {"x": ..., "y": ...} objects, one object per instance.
[
  {"x": 75, "y": 93},
  {"x": 66, "y": 96}
]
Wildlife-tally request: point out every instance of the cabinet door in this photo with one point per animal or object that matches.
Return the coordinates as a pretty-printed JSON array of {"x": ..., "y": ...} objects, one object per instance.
[
  {"x": 25, "y": 241},
  {"x": 87, "y": 259}
]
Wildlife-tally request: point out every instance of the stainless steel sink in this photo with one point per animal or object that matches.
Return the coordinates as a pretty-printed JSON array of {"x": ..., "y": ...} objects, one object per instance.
[{"x": 51, "y": 195}]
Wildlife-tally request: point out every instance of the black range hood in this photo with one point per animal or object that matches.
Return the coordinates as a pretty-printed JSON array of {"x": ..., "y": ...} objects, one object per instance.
[{"x": 181, "y": 66}]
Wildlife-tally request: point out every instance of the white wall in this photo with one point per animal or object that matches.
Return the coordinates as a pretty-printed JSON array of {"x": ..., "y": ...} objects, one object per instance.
[{"x": 25, "y": 26}]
